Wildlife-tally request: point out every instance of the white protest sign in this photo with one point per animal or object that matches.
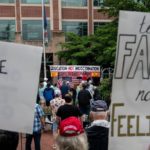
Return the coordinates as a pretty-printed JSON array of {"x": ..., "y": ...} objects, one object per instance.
[
  {"x": 130, "y": 115},
  {"x": 19, "y": 77}
]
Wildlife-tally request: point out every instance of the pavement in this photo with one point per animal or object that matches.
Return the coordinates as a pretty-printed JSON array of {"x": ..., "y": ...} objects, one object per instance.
[{"x": 47, "y": 141}]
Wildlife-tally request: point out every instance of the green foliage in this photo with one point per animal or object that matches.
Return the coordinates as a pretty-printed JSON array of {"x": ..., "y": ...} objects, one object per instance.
[
  {"x": 105, "y": 89},
  {"x": 77, "y": 49},
  {"x": 131, "y": 5},
  {"x": 99, "y": 48}
]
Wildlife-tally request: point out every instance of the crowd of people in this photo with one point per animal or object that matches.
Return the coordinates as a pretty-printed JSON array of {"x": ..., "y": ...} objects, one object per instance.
[{"x": 78, "y": 115}]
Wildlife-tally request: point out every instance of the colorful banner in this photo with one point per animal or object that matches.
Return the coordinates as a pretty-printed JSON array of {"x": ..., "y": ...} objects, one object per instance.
[{"x": 74, "y": 68}]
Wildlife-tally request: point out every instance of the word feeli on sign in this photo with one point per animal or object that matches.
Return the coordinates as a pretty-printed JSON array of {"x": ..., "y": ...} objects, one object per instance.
[
  {"x": 133, "y": 124},
  {"x": 2, "y": 66}
]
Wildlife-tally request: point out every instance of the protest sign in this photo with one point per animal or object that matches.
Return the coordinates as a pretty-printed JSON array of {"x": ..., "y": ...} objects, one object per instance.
[
  {"x": 19, "y": 77},
  {"x": 130, "y": 109}
]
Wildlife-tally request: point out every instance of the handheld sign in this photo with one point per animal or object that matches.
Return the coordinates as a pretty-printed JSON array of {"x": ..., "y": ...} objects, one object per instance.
[
  {"x": 19, "y": 77},
  {"x": 130, "y": 117}
]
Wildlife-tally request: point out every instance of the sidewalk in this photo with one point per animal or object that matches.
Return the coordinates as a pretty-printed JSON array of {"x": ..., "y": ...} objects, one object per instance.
[{"x": 46, "y": 141}]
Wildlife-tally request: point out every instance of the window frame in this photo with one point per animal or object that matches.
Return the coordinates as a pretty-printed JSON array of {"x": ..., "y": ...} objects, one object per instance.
[
  {"x": 84, "y": 24},
  {"x": 64, "y": 4},
  {"x": 25, "y": 37},
  {"x": 5, "y": 33},
  {"x": 40, "y": 2}
]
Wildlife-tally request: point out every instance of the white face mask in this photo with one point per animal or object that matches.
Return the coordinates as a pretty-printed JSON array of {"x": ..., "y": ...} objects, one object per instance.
[{"x": 101, "y": 123}]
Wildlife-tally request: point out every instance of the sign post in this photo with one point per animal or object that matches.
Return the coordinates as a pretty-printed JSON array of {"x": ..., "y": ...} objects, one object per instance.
[{"x": 130, "y": 112}]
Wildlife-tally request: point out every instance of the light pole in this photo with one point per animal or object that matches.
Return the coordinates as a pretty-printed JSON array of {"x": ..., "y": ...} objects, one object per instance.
[{"x": 43, "y": 27}]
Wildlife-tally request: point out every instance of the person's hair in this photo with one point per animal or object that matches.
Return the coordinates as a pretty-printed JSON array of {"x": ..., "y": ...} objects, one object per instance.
[
  {"x": 8, "y": 140},
  {"x": 48, "y": 85},
  {"x": 68, "y": 98},
  {"x": 42, "y": 101},
  {"x": 84, "y": 85},
  {"x": 98, "y": 115},
  {"x": 78, "y": 142},
  {"x": 37, "y": 98}
]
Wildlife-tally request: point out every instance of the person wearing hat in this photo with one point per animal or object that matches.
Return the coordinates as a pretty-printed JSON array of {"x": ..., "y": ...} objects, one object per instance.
[
  {"x": 97, "y": 132},
  {"x": 71, "y": 135}
]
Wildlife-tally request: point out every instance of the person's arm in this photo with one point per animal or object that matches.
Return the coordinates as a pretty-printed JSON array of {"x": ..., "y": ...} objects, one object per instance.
[
  {"x": 58, "y": 119},
  {"x": 80, "y": 115},
  {"x": 42, "y": 119},
  {"x": 41, "y": 115},
  {"x": 58, "y": 115}
]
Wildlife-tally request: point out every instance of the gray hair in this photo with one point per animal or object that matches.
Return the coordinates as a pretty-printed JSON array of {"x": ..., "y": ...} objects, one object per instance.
[{"x": 78, "y": 142}]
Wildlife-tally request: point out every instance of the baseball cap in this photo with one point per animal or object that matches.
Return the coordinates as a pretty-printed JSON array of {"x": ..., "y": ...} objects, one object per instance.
[
  {"x": 71, "y": 126},
  {"x": 98, "y": 105}
]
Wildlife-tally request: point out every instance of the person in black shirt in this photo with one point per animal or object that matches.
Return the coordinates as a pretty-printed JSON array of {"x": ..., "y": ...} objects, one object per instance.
[
  {"x": 8, "y": 140},
  {"x": 68, "y": 110},
  {"x": 84, "y": 98}
]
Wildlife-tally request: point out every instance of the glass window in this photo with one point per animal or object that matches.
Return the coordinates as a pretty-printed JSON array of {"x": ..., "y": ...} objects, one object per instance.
[
  {"x": 74, "y": 3},
  {"x": 32, "y": 30},
  {"x": 98, "y": 3},
  {"x": 79, "y": 28},
  {"x": 6, "y": 1},
  {"x": 98, "y": 24},
  {"x": 7, "y": 30},
  {"x": 34, "y": 1}
]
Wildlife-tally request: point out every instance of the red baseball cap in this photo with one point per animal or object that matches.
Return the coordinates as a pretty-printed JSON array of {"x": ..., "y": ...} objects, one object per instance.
[{"x": 71, "y": 126}]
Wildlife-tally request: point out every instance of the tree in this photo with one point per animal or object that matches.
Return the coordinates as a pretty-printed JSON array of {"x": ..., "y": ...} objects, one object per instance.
[
  {"x": 96, "y": 49},
  {"x": 130, "y": 5},
  {"x": 100, "y": 48}
]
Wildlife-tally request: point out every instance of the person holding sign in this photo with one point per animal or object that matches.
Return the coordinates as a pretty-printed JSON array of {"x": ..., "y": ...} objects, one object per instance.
[{"x": 39, "y": 122}]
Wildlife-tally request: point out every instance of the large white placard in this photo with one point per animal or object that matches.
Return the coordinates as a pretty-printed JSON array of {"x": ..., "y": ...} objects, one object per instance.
[
  {"x": 19, "y": 77},
  {"x": 130, "y": 112}
]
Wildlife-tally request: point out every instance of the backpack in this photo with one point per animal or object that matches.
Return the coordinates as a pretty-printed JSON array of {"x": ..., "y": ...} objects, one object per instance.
[
  {"x": 48, "y": 94},
  {"x": 84, "y": 98}
]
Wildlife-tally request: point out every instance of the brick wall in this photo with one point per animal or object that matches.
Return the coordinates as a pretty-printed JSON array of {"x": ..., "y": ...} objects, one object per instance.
[
  {"x": 70, "y": 13},
  {"x": 32, "y": 11},
  {"x": 56, "y": 15},
  {"x": 7, "y": 11}
]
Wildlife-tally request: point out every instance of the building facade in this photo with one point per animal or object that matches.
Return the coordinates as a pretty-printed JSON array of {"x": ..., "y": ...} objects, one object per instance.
[{"x": 21, "y": 21}]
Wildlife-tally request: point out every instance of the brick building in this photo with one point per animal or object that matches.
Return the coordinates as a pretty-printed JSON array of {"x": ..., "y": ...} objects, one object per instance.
[{"x": 21, "y": 21}]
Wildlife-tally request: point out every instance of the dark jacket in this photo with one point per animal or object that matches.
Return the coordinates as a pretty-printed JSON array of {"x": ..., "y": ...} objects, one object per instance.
[
  {"x": 84, "y": 98},
  {"x": 97, "y": 137}
]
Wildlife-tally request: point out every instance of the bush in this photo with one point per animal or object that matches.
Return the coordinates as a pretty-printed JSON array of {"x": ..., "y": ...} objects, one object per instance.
[{"x": 105, "y": 89}]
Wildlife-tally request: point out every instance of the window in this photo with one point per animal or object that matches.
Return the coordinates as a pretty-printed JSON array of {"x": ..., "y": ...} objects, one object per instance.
[
  {"x": 34, "y": 1},
  {"x": 98, "y": 24},
  {"x": 79, "y": 28},
  {"x": 32, "y": 30},
  {"x": 74, "y": 3},
  {"x": 6, "y": 1},
  {"x": 7, "y": 30},
  {"x": 98, "y": 3}
]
